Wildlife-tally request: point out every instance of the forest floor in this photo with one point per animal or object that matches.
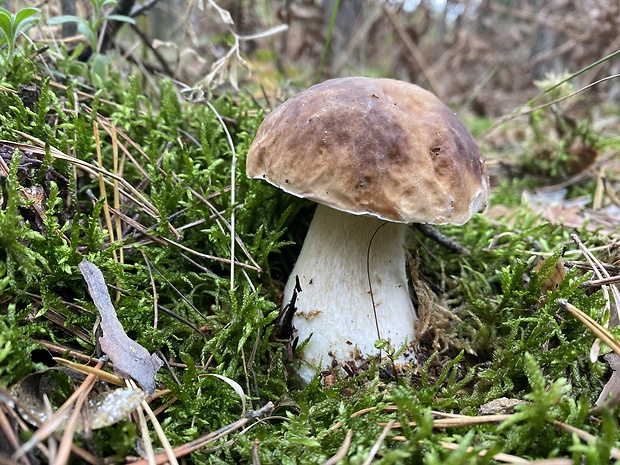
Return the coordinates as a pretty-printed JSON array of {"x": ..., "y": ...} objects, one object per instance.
[{"x": 517, "y": 341}]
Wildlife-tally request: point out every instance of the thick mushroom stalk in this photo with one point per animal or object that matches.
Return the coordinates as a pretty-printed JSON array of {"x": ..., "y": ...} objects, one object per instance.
[{"x": 353, "y": 281}]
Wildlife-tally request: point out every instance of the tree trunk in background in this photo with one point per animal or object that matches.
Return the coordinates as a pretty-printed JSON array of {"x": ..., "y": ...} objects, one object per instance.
[
  {"x": 545, "y": 40},
  {"x": 482, "y": 13},
  {"x": 68, "y": 8},
  {"x": 346, "y": 20}
]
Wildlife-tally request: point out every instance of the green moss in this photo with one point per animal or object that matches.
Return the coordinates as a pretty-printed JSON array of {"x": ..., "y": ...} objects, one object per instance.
[{"x": 506, "y": 338}]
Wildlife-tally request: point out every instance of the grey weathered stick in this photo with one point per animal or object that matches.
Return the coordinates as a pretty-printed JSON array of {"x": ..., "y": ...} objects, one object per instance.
[{"x": 130, "y": 359}]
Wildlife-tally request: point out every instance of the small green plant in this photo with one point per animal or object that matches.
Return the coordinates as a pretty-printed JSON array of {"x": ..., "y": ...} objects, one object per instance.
[
  {"x": 16, "y": 257},
  {"x": 11, "y": 25},
  {"x": 89, "y": 28}
]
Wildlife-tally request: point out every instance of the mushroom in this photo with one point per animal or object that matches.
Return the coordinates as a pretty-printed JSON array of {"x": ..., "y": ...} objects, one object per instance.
[{"x": 375, "y": 154}]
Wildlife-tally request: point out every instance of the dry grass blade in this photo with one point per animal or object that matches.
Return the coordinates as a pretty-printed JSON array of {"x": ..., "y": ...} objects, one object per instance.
[
  {"x": 128, "y": 190},
  {"x": 415, "y": 52},
  {"x": 78, "y": 92},
  {"x": 585, "y": 436},
  {"x": 172, "y": 460},
  {"x": 64, "y": 449},
  {"x": 116, "y": 194},
  {"x": 10, "y": 435},
  {"x": 500, "y": 457},
  {"x": 87, "y": 370},
  {"x": 572, "y": 180},
  {"x": 61, "y": 320},
  {"x": 217, "y": 214},
  {"x": 342, "y": 451},
  {"x": 207, "y": 439},
  {"x": 102, "y": 189},
  {"x": 151, "y": 267},
  {"x": 518, "y": 112},
  {"x": 236, "y": 387},
  {"x": 601, "y": 272},
  {"x": 255, "y": 456},
  {"x": 233, "y": 198},
  {"x": 65, "y": 350},
  {"x": 599, "y": 331},
  {"x": 146, "y": 437},
  {"x": 113, "y": 132},
  {"x": 378, "y": 442},
  {"x": 450, "y": 420},
  {"x": 6, "y": 89},
  {"x": 611, "y": 194},
  {"x": 165, "y": 241},
  {"x": 601, "y": 282},
  {"x": 556, "y": 461},
  {"x": 459, "y": 421}
]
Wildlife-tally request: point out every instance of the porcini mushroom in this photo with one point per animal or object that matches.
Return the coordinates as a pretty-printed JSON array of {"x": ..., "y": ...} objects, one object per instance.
[{"x": 375, "y": 154}]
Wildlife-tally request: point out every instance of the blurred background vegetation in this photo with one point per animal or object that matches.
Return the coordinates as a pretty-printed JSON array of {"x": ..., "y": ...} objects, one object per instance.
[{"x": 481, "y": 54}]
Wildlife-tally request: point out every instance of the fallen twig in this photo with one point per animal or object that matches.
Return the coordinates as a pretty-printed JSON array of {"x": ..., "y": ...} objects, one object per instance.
[{"x": 207, "y": 439}]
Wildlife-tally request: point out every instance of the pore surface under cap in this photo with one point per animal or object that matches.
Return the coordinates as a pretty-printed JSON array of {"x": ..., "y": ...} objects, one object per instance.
[{"x": 373, "y": 146}]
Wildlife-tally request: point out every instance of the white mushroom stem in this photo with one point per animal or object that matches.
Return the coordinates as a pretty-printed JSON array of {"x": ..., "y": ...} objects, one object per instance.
[{"x": 335, "y": 304}]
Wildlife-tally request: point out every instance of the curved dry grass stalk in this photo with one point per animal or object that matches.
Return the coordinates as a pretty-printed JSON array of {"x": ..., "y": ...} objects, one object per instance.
[
  {"x": 459, "y": 421},
  {"x": 233, "y": 199},
  {"x": 378, "y": 442},
  {"x": 209, "y": 438},
  {"x": 127, "y": 189},
  {"x": 161, "y": 435},
  {"x": 528, "y": 110},
  {"x": 585, "y": 436},
  {"x": 342, "y": 451}
]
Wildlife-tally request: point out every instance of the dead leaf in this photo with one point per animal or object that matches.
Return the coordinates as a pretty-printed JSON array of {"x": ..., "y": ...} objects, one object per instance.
[
  {"x": 106, "y": 408},
  {"x": 502, "y": 405},
  {"x": 581, "y": 157},
  {"x": 555, "y": 277},
  {"x": 110, "y": 407},
  {"x": 130, "y": 359},
  {"x": 611, "y": 391}
]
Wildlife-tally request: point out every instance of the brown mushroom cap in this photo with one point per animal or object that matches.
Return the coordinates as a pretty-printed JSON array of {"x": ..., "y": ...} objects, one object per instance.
[{"x": 379, "y": 147}]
